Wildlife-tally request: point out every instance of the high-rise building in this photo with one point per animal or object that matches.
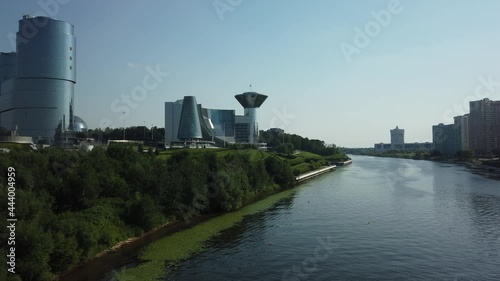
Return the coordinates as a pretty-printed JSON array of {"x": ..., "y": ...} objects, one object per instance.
[
  {"x": 397, "y": 136},
  {"x": 446, "y": 138},
  {"x": 398, "y": 143},
  {"x": 37, "y": 82},
  {"x": 462, "y": 124},
  {"x": 484, "y": 126}
]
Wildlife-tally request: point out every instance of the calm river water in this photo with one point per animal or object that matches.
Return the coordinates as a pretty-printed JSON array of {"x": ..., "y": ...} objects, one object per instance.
[{"x": 378, "y": 219}]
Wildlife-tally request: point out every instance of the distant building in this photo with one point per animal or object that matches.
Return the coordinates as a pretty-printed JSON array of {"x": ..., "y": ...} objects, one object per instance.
[
  {"x": 398, "y": 143},
  {"x": 484, "y": 126},
  {"x": 462, "y": 123},
  {"x": 79, "y": 124},
  {"x": 397, "y": 136},
  {"x": 446, "y": 139},
  {"x": 277, "y": 131},
  {"x": 247, "y": 129},
  {"x": 188, "y": 123},
  {"x": 172, "y": 119}
]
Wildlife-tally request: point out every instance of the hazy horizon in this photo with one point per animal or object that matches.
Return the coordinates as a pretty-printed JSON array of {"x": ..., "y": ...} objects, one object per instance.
[{"x": 340, "y": 71}]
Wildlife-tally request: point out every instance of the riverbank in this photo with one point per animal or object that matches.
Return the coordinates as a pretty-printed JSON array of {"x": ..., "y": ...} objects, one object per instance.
[
  {"x": 126, "y": 252},
  {"x": 475, "y": 166},
  {"x": 439, "y": 223},
  {"x": 341, "y": 163},
  {"x": 483, "y": 170},
  {"x": 315, "y": 173}
]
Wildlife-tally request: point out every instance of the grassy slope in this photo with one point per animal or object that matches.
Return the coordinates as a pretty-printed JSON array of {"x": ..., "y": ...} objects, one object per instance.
[{"x": 301, "y": 162}]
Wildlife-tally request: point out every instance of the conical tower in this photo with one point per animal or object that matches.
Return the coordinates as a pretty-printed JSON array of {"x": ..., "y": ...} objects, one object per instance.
[{"x": 189, "y": 125}]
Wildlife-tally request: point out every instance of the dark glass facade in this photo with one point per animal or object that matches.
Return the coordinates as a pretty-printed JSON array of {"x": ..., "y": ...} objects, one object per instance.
[
  {"x": 38, "y": 99},
  {"x": 222, "y": 120},
  {"x": 190, "y": 125},
  {"x": 217, "y": 126}
]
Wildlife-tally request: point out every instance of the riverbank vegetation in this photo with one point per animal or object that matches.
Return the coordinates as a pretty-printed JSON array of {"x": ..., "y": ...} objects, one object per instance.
[
  {"x": 289, "y": 143},
  {"x": 72, "y": 205},
  {"x": 463, "y": 156}
]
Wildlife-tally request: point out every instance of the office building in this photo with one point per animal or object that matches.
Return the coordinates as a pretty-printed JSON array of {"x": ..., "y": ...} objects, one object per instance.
[
  {"x": 188, "y": 123},
  {"x": 172, "y": 119},
  {"x": 37, "y": 81},
  {"x": 215, "y": 126},
  {"x": 398, "y": 143}
]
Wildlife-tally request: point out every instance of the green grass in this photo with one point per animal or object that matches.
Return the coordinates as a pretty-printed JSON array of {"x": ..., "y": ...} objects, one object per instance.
[
  {"x": 221, "y": 152},
  {"x": 309, "y": 155},
  {"x": 300, "y": 163},
  {"x": 301, "y": 168},
  {"x": 336, "y": 157},
  {"x": 12, "y": 146}
]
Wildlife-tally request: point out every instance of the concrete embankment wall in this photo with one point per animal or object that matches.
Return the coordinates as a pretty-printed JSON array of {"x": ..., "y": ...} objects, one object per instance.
[
  {"x": 315, "y": 173},
  {"x": 341, "y": 163}
]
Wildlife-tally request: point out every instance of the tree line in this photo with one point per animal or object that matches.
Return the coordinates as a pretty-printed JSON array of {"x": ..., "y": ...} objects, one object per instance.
[
  {"x": 287, "y": 143},
  {"x": 72, "y": 205},
  {"x": 139, "y": 133}
]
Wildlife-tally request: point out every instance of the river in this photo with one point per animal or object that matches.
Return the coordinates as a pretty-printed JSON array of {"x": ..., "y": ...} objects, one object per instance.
[{"x": 378, "y": 219}]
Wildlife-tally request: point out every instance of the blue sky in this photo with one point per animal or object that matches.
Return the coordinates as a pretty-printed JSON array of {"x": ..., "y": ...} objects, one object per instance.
[{"x": 419, "y": 68}]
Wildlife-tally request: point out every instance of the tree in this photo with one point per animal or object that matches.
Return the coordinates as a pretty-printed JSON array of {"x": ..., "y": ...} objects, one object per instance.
[
  {"x": 145, "y": 213},
  {"x": 466, "y": 154},
  {"x": 436, "y": 153}
]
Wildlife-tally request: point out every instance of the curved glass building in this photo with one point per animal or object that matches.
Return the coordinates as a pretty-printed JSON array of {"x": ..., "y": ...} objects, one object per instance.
[{"x": 38, "y": 98}]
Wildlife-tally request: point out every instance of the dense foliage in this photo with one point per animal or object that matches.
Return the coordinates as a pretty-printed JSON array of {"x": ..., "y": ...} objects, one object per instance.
[
  {"x": 286, "y": 143},
  {"x": 139, "y": 133},
  {"x": 72, "y": 205}
]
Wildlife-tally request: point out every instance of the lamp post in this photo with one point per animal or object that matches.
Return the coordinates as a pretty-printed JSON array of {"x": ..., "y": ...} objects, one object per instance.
[
  {"x": 152, "y": 130},
  {"x": 123, "y": 125},
  {"x": 224, "y": 134}
]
